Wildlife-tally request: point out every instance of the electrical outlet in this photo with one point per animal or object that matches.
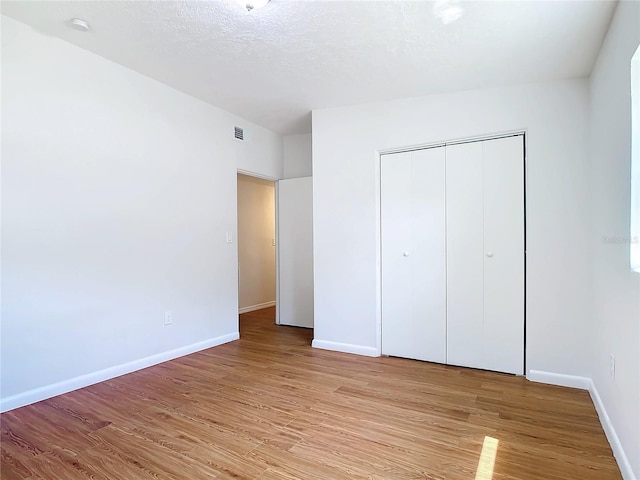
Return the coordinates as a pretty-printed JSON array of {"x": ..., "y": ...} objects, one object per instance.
[
  {"x": 612, "y": 366},
  {"x": 168, "y": 317}
]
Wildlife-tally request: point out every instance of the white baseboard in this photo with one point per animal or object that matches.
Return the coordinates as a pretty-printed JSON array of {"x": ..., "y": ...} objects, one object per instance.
[
  {"x": 259, "y": 306},
  {"x": 48, "y": 391},
  {"x": 612, "y": 436},
  {"x": 559, "y": 379},
  {"x": 345, "y": 347},
  {"x": 585, "y": 383}
]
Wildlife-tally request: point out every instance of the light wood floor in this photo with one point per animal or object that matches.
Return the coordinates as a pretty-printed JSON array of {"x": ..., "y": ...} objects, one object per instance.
[{"x": 270, "y": 407}]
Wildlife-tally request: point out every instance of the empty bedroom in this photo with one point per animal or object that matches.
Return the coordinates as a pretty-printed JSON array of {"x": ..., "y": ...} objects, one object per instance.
[{"x": 320, "y": 239}]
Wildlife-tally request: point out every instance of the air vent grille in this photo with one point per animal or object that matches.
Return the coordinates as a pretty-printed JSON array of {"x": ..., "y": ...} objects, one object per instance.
[{"x": 238, "y": 133}]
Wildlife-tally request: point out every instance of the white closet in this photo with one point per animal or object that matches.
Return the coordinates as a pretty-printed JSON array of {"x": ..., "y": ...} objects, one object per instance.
[{"x": 452, "y": 221}]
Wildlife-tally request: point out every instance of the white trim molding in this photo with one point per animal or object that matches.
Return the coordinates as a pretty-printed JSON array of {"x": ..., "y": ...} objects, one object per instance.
[
  {"x": 559, "y": 379},
  {"x": 345, "y": 348},
  {"x": 586, "y": 383},
  {"x": 65, "y": 386},
  {"x": 258, "y": 306},
  {"x": 612, "y": 436}
]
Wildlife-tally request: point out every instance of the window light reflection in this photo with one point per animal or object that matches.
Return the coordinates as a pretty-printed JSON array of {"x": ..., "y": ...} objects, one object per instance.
[{"x": 487, "y": 459}]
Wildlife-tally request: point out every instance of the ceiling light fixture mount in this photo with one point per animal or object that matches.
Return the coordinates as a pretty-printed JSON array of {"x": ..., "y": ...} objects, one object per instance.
[
  {"x": 448, "y": 11},
  {"x": 253, "y": 4},
  {"x": 79, "y": 24}
]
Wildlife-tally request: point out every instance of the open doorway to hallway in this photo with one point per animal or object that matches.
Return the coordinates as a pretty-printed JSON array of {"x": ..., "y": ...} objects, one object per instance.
[{"x": 256, "y": 244}]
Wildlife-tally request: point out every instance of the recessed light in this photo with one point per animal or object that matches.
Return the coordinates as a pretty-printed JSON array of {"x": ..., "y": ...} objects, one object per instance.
[{"x": 79, "y": 24}]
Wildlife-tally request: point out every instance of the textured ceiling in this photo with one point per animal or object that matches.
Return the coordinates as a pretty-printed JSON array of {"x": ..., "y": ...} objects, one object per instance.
[{"x": 273, "y": 66}]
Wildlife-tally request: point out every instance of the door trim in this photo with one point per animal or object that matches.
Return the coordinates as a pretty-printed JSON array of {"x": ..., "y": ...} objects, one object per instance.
[{"x": 424, "y": 146}]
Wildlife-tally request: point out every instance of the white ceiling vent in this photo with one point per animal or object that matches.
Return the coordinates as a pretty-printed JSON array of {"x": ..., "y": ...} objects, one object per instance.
[
  {"x": 238, "y": 133},
  {"x": 242, "y": 135}
]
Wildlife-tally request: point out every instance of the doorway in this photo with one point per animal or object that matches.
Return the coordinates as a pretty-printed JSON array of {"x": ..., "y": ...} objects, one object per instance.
[{"x": 256, "y": 243}]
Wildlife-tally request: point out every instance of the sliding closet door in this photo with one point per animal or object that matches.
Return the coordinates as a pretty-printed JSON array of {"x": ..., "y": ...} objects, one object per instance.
[
  {"x": 504, "y": 254},
  {"x": 465, "y": 255},
  {"x": 397, "y": 269},
  {"x": 413, "y": 255},
  {"x": 485, "y": 255}
]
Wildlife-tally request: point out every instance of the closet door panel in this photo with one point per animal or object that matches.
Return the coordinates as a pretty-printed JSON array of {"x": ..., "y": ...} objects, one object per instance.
[
  {"x": 429, "y": 255},
  {"x": 397, "y": 281},
  {"x": 465, "y": 255},
  {"x": 413, "y": 255},
  {"x": 504, "y": 254}
]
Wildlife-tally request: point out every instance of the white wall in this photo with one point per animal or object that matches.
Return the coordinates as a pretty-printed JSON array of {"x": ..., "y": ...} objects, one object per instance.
[
  {"x": 346, "y": 217},
  {"x": 256, "y": 252},
  {"x": 616, "y": 288},
  {"x": 117, "y": 192},
  {"x": 297, "y": 155}
]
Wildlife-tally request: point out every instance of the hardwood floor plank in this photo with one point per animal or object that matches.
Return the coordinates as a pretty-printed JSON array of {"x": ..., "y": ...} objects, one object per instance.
[
  {"x": 226, "y": 463},
  {"x": 135, "y": 448},
  {"x": 12, "y": 466},
  {"x": 270, "y": 407},
  {"x": 394, "y": 462},
  {"x": 316, "y": 467},
  {"x": 49, "y": 436}
]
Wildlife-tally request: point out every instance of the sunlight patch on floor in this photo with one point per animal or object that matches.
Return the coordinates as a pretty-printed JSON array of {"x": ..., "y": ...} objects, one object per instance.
[{"x": 487, "y": 459}]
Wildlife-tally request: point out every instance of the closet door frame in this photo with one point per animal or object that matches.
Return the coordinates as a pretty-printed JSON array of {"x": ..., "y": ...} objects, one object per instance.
[{"x": 444, "y": 143}]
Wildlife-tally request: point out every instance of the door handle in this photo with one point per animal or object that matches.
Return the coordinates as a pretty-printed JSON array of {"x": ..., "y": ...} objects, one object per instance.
[
  {"x": 489, "y": 254},
  {"x": 405, "y": 254}
]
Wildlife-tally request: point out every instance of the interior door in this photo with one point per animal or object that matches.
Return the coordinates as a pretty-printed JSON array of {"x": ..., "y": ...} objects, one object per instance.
[
  {"x": 295, "y": 252},
  {"x": 413, "y": 254}
]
